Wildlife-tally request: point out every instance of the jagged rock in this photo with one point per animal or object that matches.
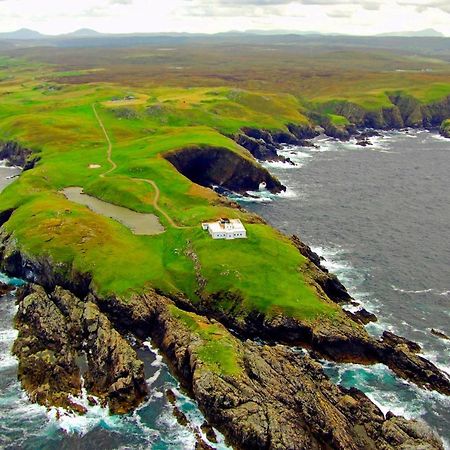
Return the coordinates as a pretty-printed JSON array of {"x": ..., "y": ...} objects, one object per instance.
[
  {"x": 209, "y": 432},
  {"x": 258, "y": 148},
  {"x": 5, "y": 289},
  {"x": 47, "y": 360},
  {"x": 54, "y": 331},
  {"x": 445, "y": 128},
  {"x": 16, "y": 155},
  {"x": 362, "y": 316},
  {"x": 280, "y": 399},
  {"x": 331, "y": 285},
  {"x": 302, "y": 132},
  {"x": 264, "y": 145},
  {"x": 439, "y": 334},
  {"x": 396, "y": 341}
]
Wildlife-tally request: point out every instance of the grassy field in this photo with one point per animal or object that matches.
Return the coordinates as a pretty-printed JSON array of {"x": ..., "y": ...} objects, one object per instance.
[{"x": 47, "y": 99}]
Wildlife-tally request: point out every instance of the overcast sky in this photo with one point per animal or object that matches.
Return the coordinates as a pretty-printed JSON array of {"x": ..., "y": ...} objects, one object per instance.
[{"x": 209, "y": 16}]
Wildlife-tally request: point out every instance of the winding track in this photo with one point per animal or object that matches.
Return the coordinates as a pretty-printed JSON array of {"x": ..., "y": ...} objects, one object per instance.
[
  {"x": 145, "y": 180},
  {"x": 108, "y": 140}
]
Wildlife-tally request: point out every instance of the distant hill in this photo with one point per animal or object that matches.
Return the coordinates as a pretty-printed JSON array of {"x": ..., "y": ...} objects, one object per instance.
[
  {"x": 429, "y": 32},
  {"x": 281, "y": 32},
  {"x": 23, "y": 33},
  {"x": 83, "y": 32}
]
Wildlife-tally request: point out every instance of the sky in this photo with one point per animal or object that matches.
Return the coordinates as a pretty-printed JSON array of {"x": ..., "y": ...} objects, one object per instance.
[{"x": 362, "y": 17}]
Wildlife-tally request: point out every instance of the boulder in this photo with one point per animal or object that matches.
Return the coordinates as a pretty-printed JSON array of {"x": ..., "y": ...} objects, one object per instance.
[{"x": 64, "y": 343}]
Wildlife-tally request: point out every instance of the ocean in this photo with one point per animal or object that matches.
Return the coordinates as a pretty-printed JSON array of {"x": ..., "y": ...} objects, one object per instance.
[{"x": 379, "y": 215}]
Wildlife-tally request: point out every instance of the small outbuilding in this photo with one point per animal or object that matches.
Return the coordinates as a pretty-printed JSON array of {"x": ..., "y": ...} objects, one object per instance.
[{"x": 226, "y": 229}]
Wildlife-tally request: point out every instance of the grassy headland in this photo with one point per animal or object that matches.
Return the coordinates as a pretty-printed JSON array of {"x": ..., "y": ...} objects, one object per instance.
[{"x": 171, "y": 101}]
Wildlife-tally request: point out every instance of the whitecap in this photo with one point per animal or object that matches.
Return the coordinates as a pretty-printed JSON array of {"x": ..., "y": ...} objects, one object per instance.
[
  {"x": 440, "y": 137},
  {"x": 280, "y": 165},
  {"x": 406, "y": 291}
]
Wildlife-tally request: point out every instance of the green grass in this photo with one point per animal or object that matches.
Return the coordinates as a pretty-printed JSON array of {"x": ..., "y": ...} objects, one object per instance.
[
  {"x": 337, "y": 120},
  {"x": 217, "y": 349}
]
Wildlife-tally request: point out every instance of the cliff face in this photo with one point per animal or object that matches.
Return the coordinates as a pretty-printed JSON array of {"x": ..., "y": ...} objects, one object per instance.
[
  {"x": 62, "y": 339},
  {"x": 406, "y": 111},
  {"x": 263, "y": 144},
  {"x": 209, "y": 166},
  {"x": 17, "y": 155},
  {"x": 445, "y": 128}
]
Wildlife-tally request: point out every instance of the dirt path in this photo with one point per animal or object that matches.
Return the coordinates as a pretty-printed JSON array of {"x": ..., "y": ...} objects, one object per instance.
[
  {"x": 108, "y": 140},
  {"x": 156, "y": 200},
  {"x": 145, "y": 180}
]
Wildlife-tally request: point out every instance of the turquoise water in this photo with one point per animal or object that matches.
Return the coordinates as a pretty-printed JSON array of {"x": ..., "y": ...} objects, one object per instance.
[{"x": 24, "y": 425}]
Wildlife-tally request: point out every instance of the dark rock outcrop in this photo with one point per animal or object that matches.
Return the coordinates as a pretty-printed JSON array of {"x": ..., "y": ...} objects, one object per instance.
[
  {"x": 264, "y": 144},
  {"x": 439, "y": 334},
  {"x": 62, "y": 338},
  {"x": 279, "y": 399},
  {"x": 329, "y": 282},
  {"x": 406, "y": 111},
  {"x": 5, "y": 289},
  {"x": 209, "y": 166},
  {"x": 16, "y": 155},
  {"x": 445, "y": 128},
  {"x": 362, "y": 316}
]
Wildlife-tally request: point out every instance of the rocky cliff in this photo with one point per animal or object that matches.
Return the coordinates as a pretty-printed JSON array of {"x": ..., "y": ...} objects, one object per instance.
[
  {"x": 217, "y": 166},
  {"x": 264, "y": 144},
  {"x": 66, "y": 344},
  {"x": 445, "y": 128},
  {"x": 405, "y": 111},
  {"x": 16, "y": 155}
]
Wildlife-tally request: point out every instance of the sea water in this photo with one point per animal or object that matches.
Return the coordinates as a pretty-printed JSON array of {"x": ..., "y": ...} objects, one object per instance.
[{"x": 380, "y": 216}]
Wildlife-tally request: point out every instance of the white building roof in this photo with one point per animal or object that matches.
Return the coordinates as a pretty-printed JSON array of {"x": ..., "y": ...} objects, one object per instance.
[{"x": 220, "y": 226}]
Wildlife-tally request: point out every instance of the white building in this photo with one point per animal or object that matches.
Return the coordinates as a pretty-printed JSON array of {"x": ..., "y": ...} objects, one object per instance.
[{"x": 226, "y": 229}]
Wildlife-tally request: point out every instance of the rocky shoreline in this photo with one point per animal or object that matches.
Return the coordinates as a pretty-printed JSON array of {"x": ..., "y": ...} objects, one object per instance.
[
  {"x": 82, "y": 338},
  {"x": 405, "y": 112}
]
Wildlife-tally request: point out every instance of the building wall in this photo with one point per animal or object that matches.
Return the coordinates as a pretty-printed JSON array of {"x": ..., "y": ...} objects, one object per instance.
[{"x": 229, "y": 235}]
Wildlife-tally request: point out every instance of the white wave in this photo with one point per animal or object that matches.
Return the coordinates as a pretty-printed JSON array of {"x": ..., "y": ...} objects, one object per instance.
[
  {"x": 263, "y": 196},
  {"x": 7, "y": 360},
  {"x": 385, "y": 389},
  {"x": 421, "y": 291},
  {"x": 440, "y": 137},
  {"x": 8, "y": 336},
  {"x": 288, "y": 193},
  {"x": 4, "y": 164},
  {"x": 406, "y": 291},
  {"x": 74, "y": 423},
  {"x": 153, "y": 378},
  {"x": 280, "y": 165}
]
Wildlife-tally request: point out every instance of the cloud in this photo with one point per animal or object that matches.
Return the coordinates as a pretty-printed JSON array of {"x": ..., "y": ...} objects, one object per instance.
[
  {"x": 217, "y": 8},
  {"x": 421, "y": 6},
  {"x": 340, "y": 14}
]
